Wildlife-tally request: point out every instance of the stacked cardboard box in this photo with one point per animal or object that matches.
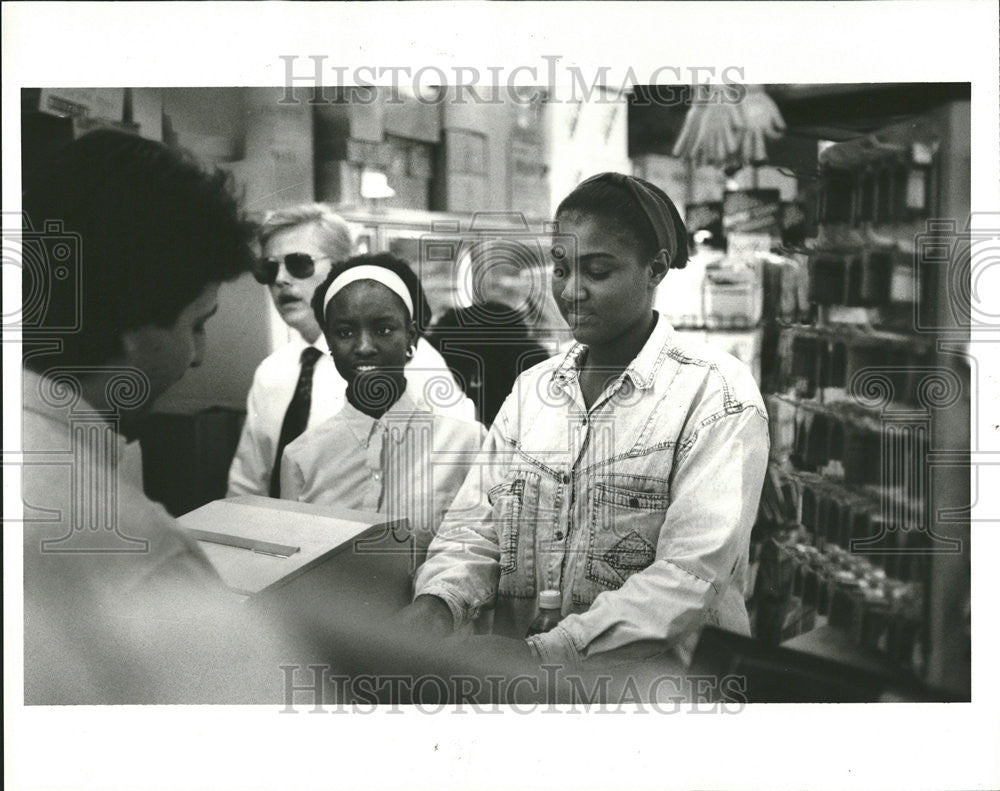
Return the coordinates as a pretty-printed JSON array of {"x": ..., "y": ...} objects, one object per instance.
[
  {"x": 495, "y": 156},
  {"x": 394, "y": 134}
]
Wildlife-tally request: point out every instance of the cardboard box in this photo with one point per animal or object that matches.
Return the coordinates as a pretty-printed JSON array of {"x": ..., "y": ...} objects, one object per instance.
[
  {"x": 367, "y": 120},
  {"x": 732, "y": 297},
  {"x": 466, "y": 192},
  {"x": 413, "y": 119},
  {"x": 105, "y": 103},
  {"x": 261, "y": 544},
  {"x": 465, "y": 152}
]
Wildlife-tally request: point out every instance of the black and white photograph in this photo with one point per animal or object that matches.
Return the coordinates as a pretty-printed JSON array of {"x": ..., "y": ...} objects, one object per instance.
[{"x": 382, "y": 379}]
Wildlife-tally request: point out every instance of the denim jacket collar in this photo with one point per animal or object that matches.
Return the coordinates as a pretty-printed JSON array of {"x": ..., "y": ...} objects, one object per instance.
[{"x": 641, "y": 371}]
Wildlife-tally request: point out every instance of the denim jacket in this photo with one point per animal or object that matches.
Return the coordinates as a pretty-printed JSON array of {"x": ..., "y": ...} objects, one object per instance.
[{"x": 639, "y": 509}]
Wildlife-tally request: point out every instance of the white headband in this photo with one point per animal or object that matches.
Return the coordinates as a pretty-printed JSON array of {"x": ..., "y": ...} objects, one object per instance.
[{"x": 379, "y": 274}]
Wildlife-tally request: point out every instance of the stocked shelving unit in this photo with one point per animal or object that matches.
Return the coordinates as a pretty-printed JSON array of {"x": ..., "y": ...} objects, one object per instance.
[{"x": 862, "y": 539}]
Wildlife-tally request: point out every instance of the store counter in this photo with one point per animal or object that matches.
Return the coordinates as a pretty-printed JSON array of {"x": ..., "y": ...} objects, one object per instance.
[
  {"x": 336, "y": 581},
  {"x": 340, "y": 593}
]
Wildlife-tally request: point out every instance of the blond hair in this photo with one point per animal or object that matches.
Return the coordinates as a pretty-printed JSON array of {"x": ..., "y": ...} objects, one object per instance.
[{"x": 335, "y": 235}]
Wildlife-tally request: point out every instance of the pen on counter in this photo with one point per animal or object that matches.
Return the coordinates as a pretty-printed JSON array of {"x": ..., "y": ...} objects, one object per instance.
[{"x": 252, "y": 544}]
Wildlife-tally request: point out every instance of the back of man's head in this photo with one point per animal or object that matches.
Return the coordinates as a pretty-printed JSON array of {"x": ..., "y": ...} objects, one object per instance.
[{"x": 147, "y": 229}]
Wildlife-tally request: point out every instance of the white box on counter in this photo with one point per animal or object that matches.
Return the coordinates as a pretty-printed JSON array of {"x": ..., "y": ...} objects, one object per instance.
[{"x": 258, "y": 544}]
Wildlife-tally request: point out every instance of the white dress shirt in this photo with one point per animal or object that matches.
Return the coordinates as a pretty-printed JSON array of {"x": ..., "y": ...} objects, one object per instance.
[
  {"x": 409, "y": 464},
  {"x": 121, "y": 604},
  {"x": 272, "y": 389}
]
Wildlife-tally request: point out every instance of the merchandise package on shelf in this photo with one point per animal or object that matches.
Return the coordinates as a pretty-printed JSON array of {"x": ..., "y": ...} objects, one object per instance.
[
  {"x": 732, "y": 296},
  {"x": 781, "y": 426},
  {"x": 777, "y": 519},
  {"x": 874, "y": 196},
  {"x": 679, "y": 297},
  {"x": 785, "y": 286},
  {"x": 879, "y": 613},
  {"x": 735, "y": 290},
  {"x": 858, "y": 279},
  {"x": 813, "y": 571},
  {"x": 733, "y": 287},
  {"x": 827, "y": 362},
  {"x": 853, "y": 423}
]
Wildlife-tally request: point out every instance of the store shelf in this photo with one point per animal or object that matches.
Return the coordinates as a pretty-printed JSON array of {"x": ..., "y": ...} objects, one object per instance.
[
  {"x": 874, "y": 497},
  {"x": 835, "y": 643},
  {"x": 856, "y": 334},
  {"x": 847, "y": 410},
  {"x": 716, "y": 328}
]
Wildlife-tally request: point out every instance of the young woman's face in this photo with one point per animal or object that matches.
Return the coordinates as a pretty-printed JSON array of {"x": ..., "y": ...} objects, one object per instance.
[
  {"x": 369, "y": 332},
  {"x": 605, "y": 287}
]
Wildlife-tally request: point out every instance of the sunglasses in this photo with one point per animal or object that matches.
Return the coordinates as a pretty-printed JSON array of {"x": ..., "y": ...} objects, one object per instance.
[{"x": 298, "y": 265}]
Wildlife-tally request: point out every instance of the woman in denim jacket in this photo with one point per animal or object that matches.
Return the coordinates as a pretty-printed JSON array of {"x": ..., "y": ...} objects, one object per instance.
[{"x": 625, "y": 473}]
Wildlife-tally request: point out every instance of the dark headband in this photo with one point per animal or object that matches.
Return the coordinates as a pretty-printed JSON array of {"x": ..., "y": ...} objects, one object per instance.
[{"x": 659, "y": 210}]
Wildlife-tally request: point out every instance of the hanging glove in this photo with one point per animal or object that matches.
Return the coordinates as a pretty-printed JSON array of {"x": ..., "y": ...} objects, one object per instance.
[
  {"x": 759, "y": 120},
  {"x": 710, "y": 135}
]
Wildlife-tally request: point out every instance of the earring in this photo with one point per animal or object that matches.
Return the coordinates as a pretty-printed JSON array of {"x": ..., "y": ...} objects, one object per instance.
[{"x": 409, "y": 352}]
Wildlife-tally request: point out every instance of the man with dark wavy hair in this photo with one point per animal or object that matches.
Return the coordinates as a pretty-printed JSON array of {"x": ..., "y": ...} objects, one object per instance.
[{"x": 121, "y": 606}]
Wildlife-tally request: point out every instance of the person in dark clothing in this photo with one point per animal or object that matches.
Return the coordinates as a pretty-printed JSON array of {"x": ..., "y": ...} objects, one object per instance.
[{"x": 486, "y": 346}]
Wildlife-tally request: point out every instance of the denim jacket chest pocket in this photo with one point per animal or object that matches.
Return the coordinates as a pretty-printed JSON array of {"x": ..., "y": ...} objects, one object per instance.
[
  {"x": 516, "y": 509},
  {"x": 626, "y": 514}
]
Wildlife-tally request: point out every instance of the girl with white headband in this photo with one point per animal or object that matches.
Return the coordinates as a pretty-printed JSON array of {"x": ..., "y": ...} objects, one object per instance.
[
  {"x": 385, "y": 450},
  {"x": 624, "y": 474}
]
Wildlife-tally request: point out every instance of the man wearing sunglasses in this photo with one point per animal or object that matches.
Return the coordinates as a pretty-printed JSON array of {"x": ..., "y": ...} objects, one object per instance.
[{"x": 298, "y": 387}]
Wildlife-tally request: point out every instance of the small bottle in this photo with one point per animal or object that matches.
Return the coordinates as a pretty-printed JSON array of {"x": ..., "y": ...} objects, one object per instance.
[{"x": 549, "y": 612}]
